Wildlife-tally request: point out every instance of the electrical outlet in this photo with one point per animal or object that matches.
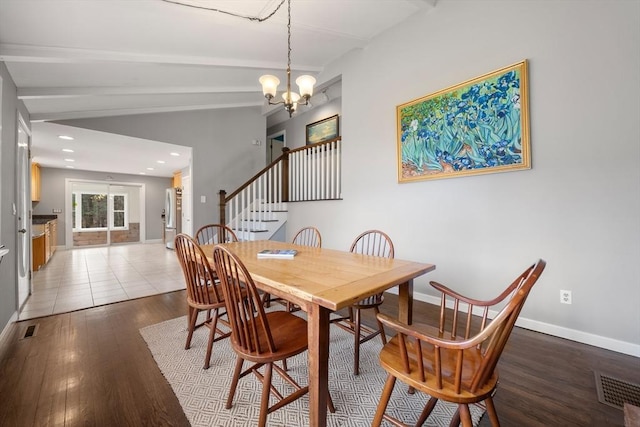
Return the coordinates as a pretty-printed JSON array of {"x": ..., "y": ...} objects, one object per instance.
[{"x": 565, "y": 297}]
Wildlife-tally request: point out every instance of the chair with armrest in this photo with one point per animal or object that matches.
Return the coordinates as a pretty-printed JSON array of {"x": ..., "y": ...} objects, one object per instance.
[
  {"x": 259, "y": 337},
  {"x": 455, "y": 362},
  {"x": 376, "y": 243},
  {"x": 203, "y": 294},
  {"x": 212, "y": 234}
]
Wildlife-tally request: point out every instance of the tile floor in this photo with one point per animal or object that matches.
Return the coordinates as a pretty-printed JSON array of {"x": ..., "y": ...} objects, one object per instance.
[{"x": 88, "y": 277}]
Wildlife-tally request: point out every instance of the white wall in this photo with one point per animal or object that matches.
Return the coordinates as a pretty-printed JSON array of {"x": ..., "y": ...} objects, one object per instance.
[
  {"x": 578, "y": 207},
  {"x": 10, "y": 105}
]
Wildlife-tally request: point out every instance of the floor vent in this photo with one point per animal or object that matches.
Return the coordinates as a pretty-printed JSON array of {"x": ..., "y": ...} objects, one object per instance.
[
  {"x": 615, "y": 392},
  {"x": 30, "y": 331}
]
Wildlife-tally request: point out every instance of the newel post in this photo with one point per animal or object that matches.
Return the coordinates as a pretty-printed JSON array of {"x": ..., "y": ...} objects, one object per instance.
[
  {"x": 285, "y": 174},
  {"x": 223, "y": 206}
]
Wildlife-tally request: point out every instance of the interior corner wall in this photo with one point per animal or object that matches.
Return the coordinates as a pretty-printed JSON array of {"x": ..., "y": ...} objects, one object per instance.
[
  {"x": 8, "y": 137},
  {"x": 53, "y": 182},
  {"x": 223, "y": 155},
  {"x": 579, "y": 205}
]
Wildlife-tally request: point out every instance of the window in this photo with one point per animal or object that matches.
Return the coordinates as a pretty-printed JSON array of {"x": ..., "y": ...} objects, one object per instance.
[
  {"x": 118, "y": 219},
  {"x": 91, "y": 211}
]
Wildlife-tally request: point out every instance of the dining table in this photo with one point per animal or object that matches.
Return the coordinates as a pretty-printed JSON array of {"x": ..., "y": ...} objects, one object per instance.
[{"x": 321, "y": 281}]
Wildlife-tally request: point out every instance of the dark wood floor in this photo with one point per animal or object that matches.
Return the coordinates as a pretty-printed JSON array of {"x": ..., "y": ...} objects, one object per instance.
[{"x": 92, "y": 368}]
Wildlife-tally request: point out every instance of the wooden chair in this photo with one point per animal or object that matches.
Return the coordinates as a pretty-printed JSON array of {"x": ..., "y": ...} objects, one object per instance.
[
  {"x": 259, "y": 337},
  {"x": 202, "y": 292},
  {"x": 307, "y": 236},
  {"x": 212, "y": 234},
  {"x": 376, "y": 243},
  {"x": 457, "y": 361}
]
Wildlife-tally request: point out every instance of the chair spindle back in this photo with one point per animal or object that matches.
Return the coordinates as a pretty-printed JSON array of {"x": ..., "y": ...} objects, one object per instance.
[
  {"x": 308, "y": 236},
  {"x": 198, "y": 274},
  {"x": 373, "y": 242},
  {"x": 467, "y": 362},
  {"x": 213, "y": 234},
  {"x": 250, "y": 332}
]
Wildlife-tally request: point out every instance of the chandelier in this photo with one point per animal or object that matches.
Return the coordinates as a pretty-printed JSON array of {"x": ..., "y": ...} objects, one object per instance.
[{"x": 270, "y": 83}]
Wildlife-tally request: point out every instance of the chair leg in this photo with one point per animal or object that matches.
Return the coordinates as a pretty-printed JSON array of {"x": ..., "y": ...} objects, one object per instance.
[
  {"x": 234, "y": 382},
  {"x": 193, "y": 316},
  {"x": 427, "y": 411},
  {"x": 356, "y": 344},
  {"x": 465, "y": 415},
  {"x": 212, "y": 335},
  {"x": 266, "y": 392},
  {"x": 384, "y": 400},
  {"x": 266, "y": 300},
  {"x": 330, "y": 405},
  {"x": 383, "y": 337},
  {"x": 491, "y": 410}
]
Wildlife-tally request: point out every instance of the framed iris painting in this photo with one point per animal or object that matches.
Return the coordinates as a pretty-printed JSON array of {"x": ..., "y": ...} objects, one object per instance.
[{"x": 476, "y": 127}]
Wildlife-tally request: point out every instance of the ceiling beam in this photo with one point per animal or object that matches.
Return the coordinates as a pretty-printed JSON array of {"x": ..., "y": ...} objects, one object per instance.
[
  {"x": 68, "y": 115},
  {"x": 77, "y": 92},
  {"x": 59, "y": 55}
]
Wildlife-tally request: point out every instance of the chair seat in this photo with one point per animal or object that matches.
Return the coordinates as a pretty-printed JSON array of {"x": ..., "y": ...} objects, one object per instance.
[
  {"x": 213, "y": 294},
  {"x": 391, "y": 361},
  {"x": 289, "y": 334}
]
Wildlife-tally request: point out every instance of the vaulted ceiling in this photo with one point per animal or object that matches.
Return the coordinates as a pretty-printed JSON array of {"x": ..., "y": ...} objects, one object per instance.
[{"x": 75, "y": 59}]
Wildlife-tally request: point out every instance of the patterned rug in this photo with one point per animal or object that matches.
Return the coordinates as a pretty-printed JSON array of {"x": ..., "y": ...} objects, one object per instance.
[{"x": 203, "y": 393}]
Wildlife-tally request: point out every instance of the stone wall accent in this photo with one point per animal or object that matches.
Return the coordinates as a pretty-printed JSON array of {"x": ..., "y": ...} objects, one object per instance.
[{"x": 90, "y": 238}]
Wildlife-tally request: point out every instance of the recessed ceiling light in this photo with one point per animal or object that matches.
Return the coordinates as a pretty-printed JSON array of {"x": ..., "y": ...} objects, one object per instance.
[
  {"x": 70, "y": 167},
  {"x": 67, "y": 150},
  {"x": 149, "y": 169},
  {"x": 69, "y": 160},
  {"x": 142, "y": 173},
  {"x": 175, "y": 154},
  {"x": 67, "y": 137},
  {"x": 161, "y": 162}
]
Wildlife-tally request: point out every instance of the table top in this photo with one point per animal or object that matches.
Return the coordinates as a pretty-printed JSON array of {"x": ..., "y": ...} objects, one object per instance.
[{"x": 326, "y": 277}]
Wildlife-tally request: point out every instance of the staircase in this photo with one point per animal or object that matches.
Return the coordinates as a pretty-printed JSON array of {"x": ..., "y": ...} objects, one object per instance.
[{"x": 258, "y": 209}]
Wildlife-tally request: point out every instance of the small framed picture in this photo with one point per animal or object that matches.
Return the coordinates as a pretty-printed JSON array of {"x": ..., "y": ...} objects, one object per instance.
[{"x": 323, "y": 130}]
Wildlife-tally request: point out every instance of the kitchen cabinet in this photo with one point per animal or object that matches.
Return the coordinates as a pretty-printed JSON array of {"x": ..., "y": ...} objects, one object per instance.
[
  {"x": 177, "y": 180},
  {"x": 37, "y": 252},
  {"x": 47, "y": 243},
  {"x": 35, "y": 182},
  {"x": 53, "y": 239},
  {"x": 44, "y": 232}
]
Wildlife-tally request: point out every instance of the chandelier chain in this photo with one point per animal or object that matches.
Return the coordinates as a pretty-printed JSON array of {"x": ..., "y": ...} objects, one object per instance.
[
  {"x": 250, "y": 18},
  {"x": 289, "y": 49}
]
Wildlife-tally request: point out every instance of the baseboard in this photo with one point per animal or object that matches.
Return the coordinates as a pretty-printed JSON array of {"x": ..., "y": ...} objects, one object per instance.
[
  {"x": 555, "y": 330},
  {"x": 5, "y": 331}
]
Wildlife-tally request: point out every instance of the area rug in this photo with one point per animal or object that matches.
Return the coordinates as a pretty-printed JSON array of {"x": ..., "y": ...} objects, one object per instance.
[{"x": 203, "y": 393}]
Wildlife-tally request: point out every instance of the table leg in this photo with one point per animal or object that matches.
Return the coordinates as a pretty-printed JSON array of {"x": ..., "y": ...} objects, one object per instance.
[
  {"x": 318, "y": 331},
  {"x": 405, "y": 302}
]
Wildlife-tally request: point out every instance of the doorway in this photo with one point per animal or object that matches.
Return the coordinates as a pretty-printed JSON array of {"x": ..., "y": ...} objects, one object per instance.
[
  {"x": 22, "y": 210},
  {"x": 103, "y": 214},
  {"x": 275, "y": 143}
]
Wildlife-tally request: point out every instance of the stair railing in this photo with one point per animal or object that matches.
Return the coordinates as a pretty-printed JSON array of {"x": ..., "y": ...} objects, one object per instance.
[{"x": 308, "y": 173}]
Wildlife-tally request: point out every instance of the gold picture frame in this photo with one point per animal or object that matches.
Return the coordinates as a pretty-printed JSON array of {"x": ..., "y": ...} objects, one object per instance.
[
  {"x": 323, "y": 130},
  {"x": 476, "y": 127}
]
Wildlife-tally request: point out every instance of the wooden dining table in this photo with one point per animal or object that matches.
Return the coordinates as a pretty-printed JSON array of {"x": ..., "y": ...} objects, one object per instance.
[{"x": 322, "y": 281}]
